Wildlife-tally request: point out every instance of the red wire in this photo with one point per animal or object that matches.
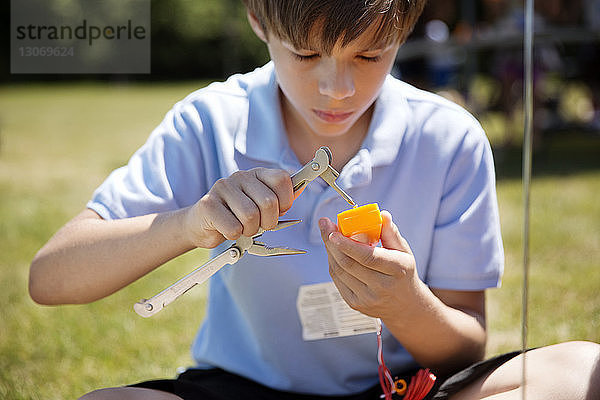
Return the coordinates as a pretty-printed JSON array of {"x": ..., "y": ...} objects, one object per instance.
[
  {"x": 385, "y": 377},
  {"x": 419, "y": 386}
]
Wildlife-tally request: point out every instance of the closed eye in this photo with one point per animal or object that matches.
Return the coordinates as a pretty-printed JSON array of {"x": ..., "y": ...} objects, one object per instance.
[
  {"x": 309, "y": 57},
  {"x": 370, "y": 58}
]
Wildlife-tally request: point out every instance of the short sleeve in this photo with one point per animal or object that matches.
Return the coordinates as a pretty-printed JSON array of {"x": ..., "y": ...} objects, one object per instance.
[
  {"x": 163, "y": 175},
  {"x": 467, "y": 251}
]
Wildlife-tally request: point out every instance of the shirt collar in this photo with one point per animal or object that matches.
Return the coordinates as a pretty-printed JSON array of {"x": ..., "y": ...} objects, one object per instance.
[
  {"x": 388, "y": 124},
  {"x": 264, "y": 138}
]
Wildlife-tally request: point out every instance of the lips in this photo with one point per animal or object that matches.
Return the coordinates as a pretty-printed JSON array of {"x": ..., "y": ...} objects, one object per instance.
[{"x": 333, "y": 116}]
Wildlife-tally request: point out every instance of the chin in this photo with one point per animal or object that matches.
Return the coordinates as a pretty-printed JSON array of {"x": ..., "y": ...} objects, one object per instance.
[
  {"x": 331, "y": 130},
  {"x": 331, "y": 133}
]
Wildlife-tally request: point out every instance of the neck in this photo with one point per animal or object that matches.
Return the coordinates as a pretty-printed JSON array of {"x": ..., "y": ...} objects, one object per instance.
[{"x": 304, "y": 142}]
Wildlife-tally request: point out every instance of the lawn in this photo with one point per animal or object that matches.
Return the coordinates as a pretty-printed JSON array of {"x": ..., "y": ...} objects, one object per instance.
[{"x": 59, "y": 141}]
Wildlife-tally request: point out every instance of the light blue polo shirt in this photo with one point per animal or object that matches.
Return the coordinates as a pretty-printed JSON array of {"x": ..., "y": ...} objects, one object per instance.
[{"x": 424, "y": 159}]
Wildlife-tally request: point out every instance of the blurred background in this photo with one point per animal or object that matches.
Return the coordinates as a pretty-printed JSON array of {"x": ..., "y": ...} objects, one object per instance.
[{"x": 62, "y": 134}]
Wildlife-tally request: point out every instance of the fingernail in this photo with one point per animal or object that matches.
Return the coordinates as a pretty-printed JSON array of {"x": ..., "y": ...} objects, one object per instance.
[
  {"x": 333, "y": 238},
  {"x": 322, "y": 224}
]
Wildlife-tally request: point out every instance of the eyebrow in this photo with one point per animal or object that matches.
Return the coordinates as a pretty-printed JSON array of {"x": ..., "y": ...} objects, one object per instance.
[{"x": 313, "y": 46}]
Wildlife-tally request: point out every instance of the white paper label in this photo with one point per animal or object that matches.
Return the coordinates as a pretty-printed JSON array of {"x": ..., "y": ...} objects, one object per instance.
[{"x": 324, "y": 314}]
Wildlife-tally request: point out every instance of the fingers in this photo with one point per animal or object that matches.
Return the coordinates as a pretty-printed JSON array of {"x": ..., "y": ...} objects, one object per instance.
[
  {"x": 236, "y": 214},
  {"x": 390, "y": 235},
  {"x": 249, "y": 200},
  {"x": 215, "y": 230},
  {"x": 370, "y": 279},
  {"x": 339, "y": 262},
  {"x": 280, "y": 183},
  {"x": 348, "y": 284},
  {"x": 377, "y": 259}
]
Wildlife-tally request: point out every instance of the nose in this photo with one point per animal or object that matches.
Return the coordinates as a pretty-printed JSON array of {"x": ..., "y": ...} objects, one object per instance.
[{"x": 336, "y": 80}]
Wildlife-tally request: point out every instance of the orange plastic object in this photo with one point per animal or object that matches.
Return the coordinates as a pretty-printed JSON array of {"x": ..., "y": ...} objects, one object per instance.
[{"x": 362, "y": 223}]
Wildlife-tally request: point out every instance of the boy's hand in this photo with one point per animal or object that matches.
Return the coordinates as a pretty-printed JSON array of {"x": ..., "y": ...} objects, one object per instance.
[
  {"x": 377, "y": 281},
  {"x": 240, "y": 205}
]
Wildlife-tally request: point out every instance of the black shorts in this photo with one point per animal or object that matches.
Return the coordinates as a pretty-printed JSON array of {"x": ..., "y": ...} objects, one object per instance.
[{"x": 217, "y": 384}]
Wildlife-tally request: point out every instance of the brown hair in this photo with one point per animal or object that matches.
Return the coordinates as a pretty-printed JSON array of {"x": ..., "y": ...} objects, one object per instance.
[{"x": 296, "y": 21}]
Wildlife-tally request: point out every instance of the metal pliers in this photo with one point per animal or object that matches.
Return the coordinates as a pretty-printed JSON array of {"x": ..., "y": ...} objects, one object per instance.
[
  {"x": 320, "y": 165},
  {"x": 149, "y": 307}
]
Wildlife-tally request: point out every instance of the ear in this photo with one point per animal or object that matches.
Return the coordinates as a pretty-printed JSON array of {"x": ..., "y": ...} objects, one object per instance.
[{"x": 256, "y": 26}]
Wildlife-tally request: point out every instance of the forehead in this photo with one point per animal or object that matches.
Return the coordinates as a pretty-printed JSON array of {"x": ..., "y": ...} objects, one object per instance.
[{"x": 373, "y": 38}]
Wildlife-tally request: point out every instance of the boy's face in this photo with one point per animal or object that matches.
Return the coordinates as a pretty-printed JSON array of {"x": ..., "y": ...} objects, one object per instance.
[{"x": 325, "y": 95}]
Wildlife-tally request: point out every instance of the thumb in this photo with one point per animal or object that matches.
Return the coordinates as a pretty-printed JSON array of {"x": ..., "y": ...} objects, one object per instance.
[
  {"x": 390, "y": 235},
  {"x": 327, "y": 228}
]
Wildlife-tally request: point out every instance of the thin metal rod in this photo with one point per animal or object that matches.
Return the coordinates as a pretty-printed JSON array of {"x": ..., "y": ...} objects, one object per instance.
[{"x": 527, "y": 161}]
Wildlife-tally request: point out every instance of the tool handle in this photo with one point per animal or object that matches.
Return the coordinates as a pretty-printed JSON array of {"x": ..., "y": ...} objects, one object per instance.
[{"x": 148, "y": 307}]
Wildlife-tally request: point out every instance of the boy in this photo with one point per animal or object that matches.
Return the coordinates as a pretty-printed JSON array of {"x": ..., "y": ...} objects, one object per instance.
[{"x": 219, "y": 166}]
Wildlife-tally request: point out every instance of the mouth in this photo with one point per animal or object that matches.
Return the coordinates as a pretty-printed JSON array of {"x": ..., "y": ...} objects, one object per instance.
[{"x": 333, "y": 116}]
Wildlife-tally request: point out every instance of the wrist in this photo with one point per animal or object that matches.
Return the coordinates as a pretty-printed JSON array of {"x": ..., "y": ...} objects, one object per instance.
[
  {"x": 196, "y": 228},
  {"x": 188, "y": 226},
  {"x": 414, "y": 311},
  {"x": 175, "y": 229}
]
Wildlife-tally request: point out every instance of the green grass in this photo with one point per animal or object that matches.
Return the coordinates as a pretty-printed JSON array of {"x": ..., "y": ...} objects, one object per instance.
[
  {"x": 564, "y": 266},
  {"x": 58, "y": 142}
]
